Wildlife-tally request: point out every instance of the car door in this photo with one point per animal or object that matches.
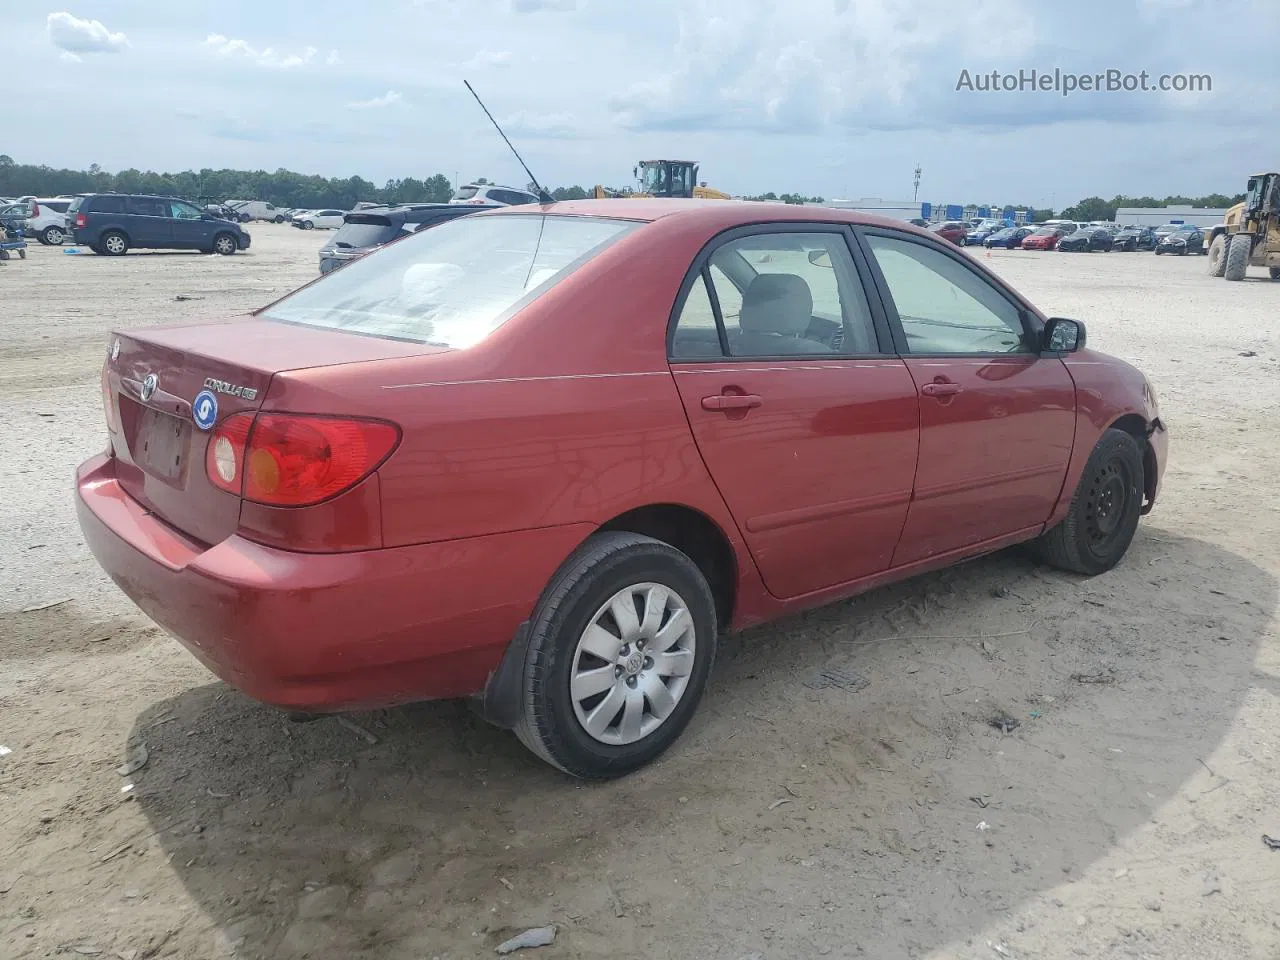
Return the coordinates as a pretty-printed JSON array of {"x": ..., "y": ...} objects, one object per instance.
[
  {"x": 149, "y": 223},
  {"x": 806, "y": 420},
  {"x": 190, "y": 229},
  {"x": 997, "y": 420}
]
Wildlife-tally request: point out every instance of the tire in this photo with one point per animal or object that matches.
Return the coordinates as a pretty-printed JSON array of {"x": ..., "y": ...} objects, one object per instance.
[
  {"x": 52, "y": 236},
  {"x": 114, "y": 244},
  {"x": 1218, "y": 256},
  {"x": 225, "y": 244},
  {"x": 1157, "y": 251},
  {"x": 1238, "y": 249},
  {"x": 278, "y": 219},
  {"x": 1275, "y": 273},
  {"x": 22, "y": 253},
  {"x": 1104, "y": 511},
  {"x": 574, "y": 615},
  {"x": 308, "y": 225}
]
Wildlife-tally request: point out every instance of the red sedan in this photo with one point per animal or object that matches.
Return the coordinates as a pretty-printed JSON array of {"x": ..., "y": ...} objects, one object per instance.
[
  {"x": 953, "y": 230},
  {"x": 1046, "y": 238},
  {"x": 543, "y": 458}
]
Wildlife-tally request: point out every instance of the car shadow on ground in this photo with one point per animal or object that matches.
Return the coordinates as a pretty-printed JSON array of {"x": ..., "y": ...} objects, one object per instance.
[{"x": 823, "y": 798}]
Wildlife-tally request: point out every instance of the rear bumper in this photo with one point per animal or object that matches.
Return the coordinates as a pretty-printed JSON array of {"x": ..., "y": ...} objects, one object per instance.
[{"x": 325, "y": 631}]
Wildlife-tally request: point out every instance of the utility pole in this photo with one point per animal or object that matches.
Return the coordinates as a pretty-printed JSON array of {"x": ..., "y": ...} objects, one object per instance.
[{"x": 915, "y": 180}]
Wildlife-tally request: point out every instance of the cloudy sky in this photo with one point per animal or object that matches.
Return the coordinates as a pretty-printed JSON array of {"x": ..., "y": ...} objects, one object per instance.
[{"x": 834, "y": 97}]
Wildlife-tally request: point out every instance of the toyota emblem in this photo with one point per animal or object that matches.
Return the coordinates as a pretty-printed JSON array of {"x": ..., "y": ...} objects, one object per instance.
[{"x": 149, "y": 386}]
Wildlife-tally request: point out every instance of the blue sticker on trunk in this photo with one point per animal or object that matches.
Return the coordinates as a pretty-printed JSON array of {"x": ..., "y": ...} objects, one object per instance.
[{"x": 204, "y": 409}]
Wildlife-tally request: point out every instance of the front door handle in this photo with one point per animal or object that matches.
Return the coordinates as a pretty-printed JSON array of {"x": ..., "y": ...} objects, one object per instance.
[
  {"x": 732, "y": 401},
  {"x": 940, "y": 389}
]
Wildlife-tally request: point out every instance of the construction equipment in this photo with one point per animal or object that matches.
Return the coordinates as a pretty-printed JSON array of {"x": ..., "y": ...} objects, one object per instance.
[
  {"x": 665, "y": 178},
  {"x": 1250, "y": 232}
]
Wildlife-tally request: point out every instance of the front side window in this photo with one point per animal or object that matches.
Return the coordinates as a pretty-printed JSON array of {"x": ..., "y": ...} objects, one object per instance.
[
  {"x": 778, "y": 294},
  {"x": 452, "y": 285},
  {"x": 184, "y": 211},
  {"x": 944, "y": 307}
]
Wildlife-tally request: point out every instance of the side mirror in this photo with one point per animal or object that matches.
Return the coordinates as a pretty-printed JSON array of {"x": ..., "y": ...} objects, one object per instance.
[
  {"x": 1061, "y": 335},
  {"x": 820, "y": 258}
]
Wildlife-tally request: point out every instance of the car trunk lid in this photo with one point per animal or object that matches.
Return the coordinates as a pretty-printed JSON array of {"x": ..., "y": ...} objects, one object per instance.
[{"x": 166, "y": 387}]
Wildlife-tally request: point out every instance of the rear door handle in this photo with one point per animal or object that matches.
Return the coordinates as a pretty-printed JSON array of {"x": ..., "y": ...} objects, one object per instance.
[
  {"x": 940, "y": 389},
  {"x": 732, "y": 401}
]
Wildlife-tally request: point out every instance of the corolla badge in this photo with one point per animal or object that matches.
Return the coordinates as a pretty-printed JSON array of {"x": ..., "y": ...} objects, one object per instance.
[
  {"x": 231, "y": 389},
  {"x": 149, "y": 386}
]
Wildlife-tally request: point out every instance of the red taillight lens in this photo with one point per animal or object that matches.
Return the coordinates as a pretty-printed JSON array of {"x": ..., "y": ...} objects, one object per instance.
[
  {"x": 294, "y": 460},
  {"x": 80, "y": 221}
]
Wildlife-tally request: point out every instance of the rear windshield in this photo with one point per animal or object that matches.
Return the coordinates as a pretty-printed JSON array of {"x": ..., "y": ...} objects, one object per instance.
[
  {"x": 453, "y": 285},
  {"x": 365, "y": 230},
  {"x": 75, "y": 204},
  {"x": 466, "y": 193}
]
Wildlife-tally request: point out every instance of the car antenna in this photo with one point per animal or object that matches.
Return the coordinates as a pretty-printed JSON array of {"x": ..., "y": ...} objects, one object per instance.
[{"x": 543, "y": 196}]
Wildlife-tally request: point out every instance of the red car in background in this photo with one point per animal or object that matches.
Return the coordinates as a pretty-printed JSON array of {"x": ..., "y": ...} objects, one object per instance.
[
  {"x": 1046, "y": 238},
  {"x": 953, "y": 230},
  {"x": 543, "y": 457}
]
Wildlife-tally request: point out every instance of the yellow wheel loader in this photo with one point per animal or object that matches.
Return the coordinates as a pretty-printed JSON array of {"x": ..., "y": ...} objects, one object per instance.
[
  {"x": 665, "y": 178},
  {"x": 1250, "y": 232}
]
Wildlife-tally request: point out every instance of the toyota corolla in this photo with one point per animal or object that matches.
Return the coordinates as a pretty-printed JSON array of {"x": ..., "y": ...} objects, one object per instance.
[{"x": 543, "y": 457}]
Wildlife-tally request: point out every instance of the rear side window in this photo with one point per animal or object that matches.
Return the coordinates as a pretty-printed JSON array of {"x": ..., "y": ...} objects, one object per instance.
[
  {"x": 466, "y": 193},
  {"x": 452, "y": 285},
  {"x": 58, "y": 206},
  {"x": 146, "y": 207},
  {"x": 107, "y": 205},
  {"x": 365, "y": 230}
]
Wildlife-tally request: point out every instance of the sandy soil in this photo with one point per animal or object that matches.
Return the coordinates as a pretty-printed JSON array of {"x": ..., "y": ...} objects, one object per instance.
[{"x": 883, "y": 819}]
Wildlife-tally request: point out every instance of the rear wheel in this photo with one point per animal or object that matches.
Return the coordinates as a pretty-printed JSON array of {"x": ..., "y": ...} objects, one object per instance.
[
  {"x": 114, "y": 243},
  {"x": 1238, "y": 249},
  {"x": 1218, "y": 256},
  {"x": 620, "y": 649},
  {"x": 308, "y": 225},
  {"x": 1104, "y": 512},
  {"x": 52, "y": 236},
  {"x": 225, "y": 244}
]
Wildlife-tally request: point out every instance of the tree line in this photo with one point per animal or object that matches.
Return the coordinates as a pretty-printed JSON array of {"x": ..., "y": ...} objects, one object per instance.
[{"x": 285, "y": 188}]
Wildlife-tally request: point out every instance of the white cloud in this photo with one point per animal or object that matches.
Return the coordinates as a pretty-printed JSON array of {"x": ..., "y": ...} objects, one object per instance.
[
  {"x": 73, "y": 35},
  {"x": 267, "y": 57},
  {"x": 540, "y": 126},
  {"x": 536, "y": 6},
  {"x": 66, "y": 56},
  {"x": 387, "y": 99},
  {"x": 488, "y": 58},
  {"x": 333, "y": 60}
]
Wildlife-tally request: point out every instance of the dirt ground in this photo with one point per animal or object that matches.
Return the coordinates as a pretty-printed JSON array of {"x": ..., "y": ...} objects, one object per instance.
[{"x": 880, "y": 818}]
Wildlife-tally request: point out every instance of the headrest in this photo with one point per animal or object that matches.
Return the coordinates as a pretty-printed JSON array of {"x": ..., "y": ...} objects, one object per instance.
[{"x": 776, "y": 303}]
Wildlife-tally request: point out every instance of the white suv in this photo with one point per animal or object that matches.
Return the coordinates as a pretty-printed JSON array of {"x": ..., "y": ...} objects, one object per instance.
[
  {"x": 48, "y": 220},
  {"x": 478, "y": 193}
]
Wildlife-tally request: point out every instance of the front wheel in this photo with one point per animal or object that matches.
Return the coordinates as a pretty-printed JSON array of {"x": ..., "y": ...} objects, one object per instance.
[
  {"x": 1275, "y": 273},
  {"x": 1104, "y": 512},
  {"x": 1218, "y": 257},
  {"x": 1239, "y": 247},
  {"x": 620, "y": 649},
  {"x": 308, "y": 225},
  {"x": 225, "y": 244}
]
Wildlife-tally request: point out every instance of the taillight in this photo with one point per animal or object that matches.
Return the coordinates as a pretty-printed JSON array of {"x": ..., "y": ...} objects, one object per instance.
[
  {"x": 295, "y": 460},
  {"x": 80, "y": 221},
  {"x": 35, "y": 209}
]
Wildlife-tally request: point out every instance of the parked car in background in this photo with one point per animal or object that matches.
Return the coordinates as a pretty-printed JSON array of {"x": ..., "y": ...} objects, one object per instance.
[
  {"x": 366, "y": 230},
  {"x": 13, "y": 218},
  {"x": 1188, "y": 238},
  {"x": 1086, "y": 240},
  {"x": 952, "y": 230},
  {"x": 319, "y": 220},
  {"x": 918, "y": 222},
  {"x": 1134, "y": 238},
  {"x": 113, "y": 223},
  {"x": 1045, "y": 238},
  {"x": 48, "y": 220},
  {"x": 978, "y": 235},
  {"x": 482, "y": 193},
  {"x": 246, "y": 210},
  {"x": 1010, "y": 238},
  {"x": 385, "y": 488}
]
